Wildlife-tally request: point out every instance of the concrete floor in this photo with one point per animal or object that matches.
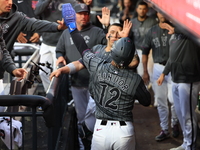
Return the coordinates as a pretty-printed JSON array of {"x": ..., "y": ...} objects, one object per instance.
[{"x": 146, "y": 123}]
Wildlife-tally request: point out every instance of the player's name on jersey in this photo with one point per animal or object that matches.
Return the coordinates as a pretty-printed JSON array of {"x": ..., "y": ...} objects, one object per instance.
[{"x": 113, "y": 78}]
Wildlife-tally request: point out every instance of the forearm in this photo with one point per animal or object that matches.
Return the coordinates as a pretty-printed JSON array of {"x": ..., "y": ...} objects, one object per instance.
[
  {"x": 72, "y": 67},
  {"x": 167, "y": 68},
  {"x": 144, "y": 62},
  {"x": 36, "y": 25}
]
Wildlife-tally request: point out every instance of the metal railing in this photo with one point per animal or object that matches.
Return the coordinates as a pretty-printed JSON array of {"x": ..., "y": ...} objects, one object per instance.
[{"x": 54, "y": 108}]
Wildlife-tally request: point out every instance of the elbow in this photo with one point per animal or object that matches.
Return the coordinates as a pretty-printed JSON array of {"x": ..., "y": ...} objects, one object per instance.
[{"x": 146, "y": 101}]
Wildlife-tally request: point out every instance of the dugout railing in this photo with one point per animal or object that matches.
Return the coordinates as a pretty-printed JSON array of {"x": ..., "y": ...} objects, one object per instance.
[{"x": 40, "y": 129}]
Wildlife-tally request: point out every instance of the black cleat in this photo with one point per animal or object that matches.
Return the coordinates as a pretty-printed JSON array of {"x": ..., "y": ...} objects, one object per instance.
[{"x": 162, "y": 136}]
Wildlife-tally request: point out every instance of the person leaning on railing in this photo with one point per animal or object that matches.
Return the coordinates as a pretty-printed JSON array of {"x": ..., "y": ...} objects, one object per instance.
[{"x": 7, "y": 63}]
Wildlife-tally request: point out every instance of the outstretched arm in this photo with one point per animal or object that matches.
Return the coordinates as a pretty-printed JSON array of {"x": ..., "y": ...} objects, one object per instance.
[
  {"x": 71, "y": 68},
  {"x": 69, "y": 16}
]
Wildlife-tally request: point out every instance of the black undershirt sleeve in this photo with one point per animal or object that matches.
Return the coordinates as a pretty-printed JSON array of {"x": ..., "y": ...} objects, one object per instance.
[
  {"x": 143, "y": 95},
  {"x": 79, "y": 41}
]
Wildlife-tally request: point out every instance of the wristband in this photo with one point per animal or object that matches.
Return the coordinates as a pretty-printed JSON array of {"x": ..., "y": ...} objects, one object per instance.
[{"x": 72, "y": 68}]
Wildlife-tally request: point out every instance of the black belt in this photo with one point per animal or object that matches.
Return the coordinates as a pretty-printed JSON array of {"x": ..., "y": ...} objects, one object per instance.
[
  {"x": 163, "y": 63},
  {"x": 104, "y": 122}
]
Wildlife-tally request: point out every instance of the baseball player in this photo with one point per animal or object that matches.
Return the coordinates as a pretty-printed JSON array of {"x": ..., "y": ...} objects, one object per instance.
[
  {"x": 184, "y": 65},
  {"x": 115, "y": 87},
  {"x": 67, "y": 52},
  {"x": 157, "y": 39},
  {"x": 141, "y": 24}
]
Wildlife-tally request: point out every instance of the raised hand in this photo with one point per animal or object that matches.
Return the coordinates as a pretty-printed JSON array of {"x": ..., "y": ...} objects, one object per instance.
[
  {"x": 168, "y": 27},
  {"x": 69, "y": 16},
  {"x": 126, "y": 28},
  {"x": 105, "y": 20}
]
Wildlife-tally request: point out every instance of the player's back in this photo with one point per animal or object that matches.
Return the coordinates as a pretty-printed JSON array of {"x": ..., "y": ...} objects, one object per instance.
[{"x": 115, "y": 91}]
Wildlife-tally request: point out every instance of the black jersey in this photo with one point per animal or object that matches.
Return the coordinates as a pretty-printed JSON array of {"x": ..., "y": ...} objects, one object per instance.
[
  {"x": 140, "y": 29},
  {"x": 114, "y": 89},
  {"x": 157, "y": 39}
]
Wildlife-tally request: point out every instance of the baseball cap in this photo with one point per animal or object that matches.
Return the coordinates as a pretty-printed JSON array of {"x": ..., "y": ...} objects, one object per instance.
[{"x": 81, "y": 8}]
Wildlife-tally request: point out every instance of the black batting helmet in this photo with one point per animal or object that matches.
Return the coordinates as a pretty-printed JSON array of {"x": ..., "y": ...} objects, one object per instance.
[{"x": 123, "y": 51}]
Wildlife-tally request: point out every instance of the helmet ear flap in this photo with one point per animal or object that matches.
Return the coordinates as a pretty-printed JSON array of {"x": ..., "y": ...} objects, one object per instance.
[{"x": 123, "y": 51}]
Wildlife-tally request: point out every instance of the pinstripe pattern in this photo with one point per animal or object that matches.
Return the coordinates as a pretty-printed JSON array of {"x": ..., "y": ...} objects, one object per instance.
[{"x": 114, "y": 89}]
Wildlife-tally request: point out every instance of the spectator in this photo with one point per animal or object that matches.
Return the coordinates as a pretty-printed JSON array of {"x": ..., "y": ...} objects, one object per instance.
[{"x": 128, "y": 11}]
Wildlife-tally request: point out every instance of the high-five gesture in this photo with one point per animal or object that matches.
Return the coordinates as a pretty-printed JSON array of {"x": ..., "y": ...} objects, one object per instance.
[
  {"x": 105, "y": 20},
  {"x": 126, "y": 29}
]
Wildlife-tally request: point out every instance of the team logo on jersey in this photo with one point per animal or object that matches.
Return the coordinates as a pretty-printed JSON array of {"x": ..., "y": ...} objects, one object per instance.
[
  {"x": 86, "y": 38},
  {"x": 156, "y": 42},
  {"x": 71, "y": 41}
]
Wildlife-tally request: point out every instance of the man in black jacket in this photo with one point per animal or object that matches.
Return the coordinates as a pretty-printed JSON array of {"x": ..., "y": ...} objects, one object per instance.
[
  {"x": 7, "y": 64},
  {"x": 13, "y": 22},
  {"x": 184, "y": 65}
]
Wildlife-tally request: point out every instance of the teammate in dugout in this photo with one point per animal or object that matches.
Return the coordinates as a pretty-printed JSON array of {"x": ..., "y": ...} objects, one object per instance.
[
  {"x": 157, "y": 39},
  {"x": 7, "y": 63},
  {"x": 184, "y": 65},
  {"x": 115, "y": 87}
]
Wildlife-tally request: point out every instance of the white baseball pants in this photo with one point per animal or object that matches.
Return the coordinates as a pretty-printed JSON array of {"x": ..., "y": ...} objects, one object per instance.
[
  {"x": 162, "y": 94},
  {"x": 185, "y": 110},
  {"x": 85, "y": 106},
  {"x": 113, "y": 136}
]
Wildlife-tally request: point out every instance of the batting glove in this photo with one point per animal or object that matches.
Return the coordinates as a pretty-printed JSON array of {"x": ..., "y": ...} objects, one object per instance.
[{"x": 69, "y": 15}]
